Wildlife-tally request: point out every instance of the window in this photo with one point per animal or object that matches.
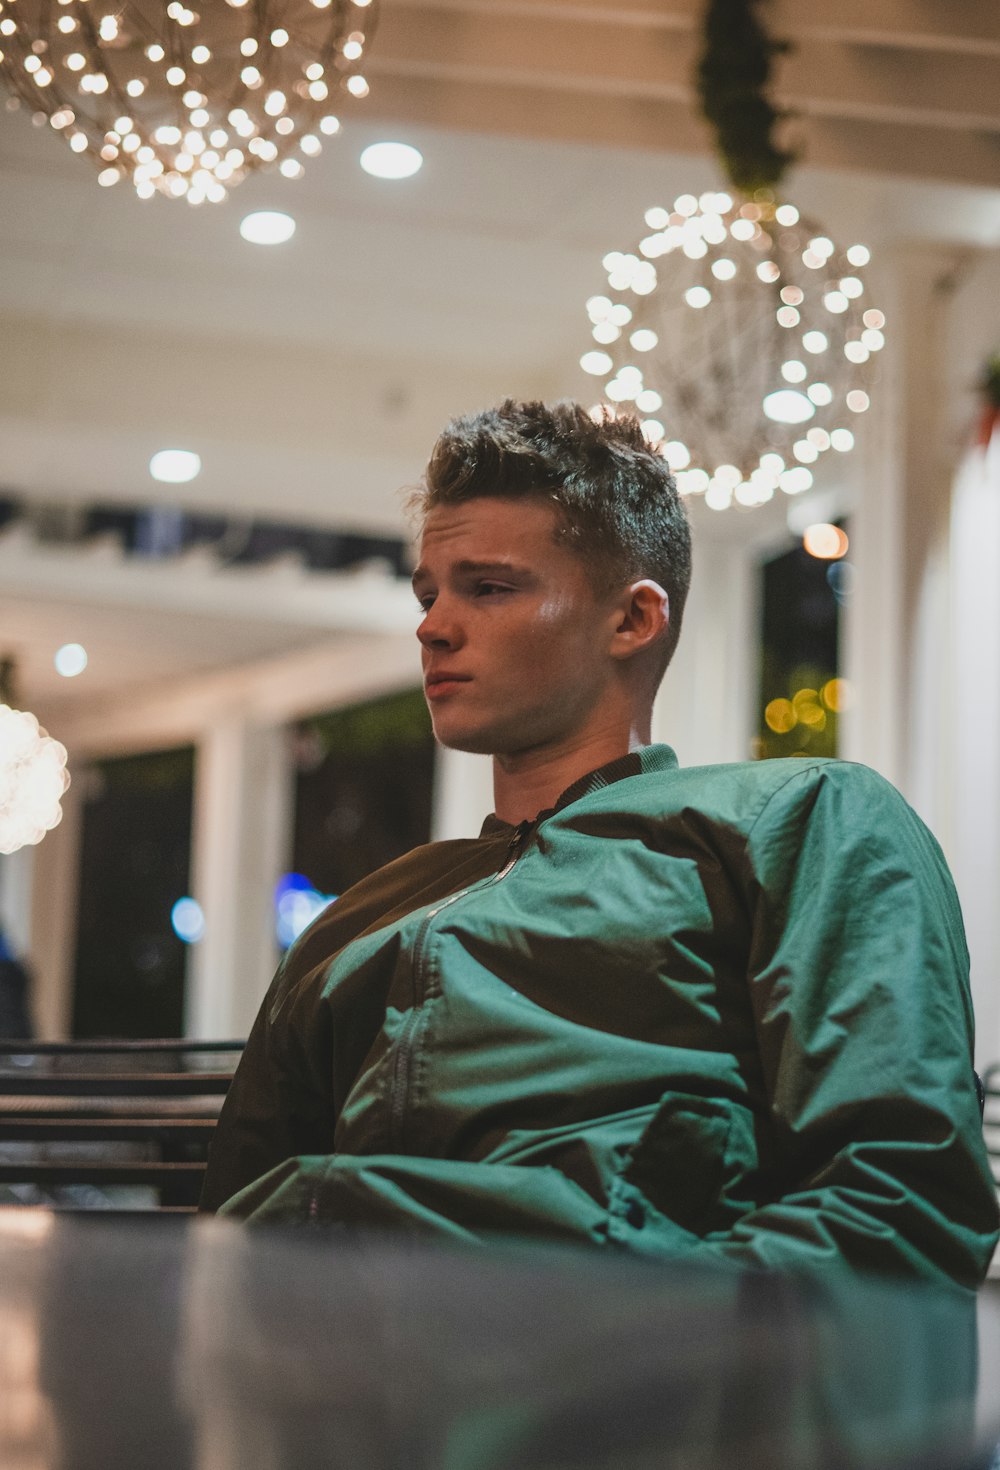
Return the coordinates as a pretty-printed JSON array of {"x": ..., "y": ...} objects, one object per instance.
[{"x": 800, "y": 692}]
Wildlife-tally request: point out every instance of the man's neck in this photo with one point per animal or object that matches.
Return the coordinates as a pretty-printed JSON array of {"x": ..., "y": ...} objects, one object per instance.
[{"x": 533, "y": 781}]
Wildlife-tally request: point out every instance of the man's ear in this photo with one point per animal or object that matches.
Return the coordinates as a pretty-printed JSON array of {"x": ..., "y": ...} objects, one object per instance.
[{"x": 643, "y": 618}]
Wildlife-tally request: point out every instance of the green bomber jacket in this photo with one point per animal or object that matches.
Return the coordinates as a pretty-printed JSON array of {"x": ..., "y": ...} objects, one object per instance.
[{"x": 714, "y": 1014}]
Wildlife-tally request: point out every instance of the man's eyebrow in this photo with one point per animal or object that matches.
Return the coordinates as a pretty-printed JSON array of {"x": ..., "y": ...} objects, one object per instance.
[{"x": 475, "y": 568}]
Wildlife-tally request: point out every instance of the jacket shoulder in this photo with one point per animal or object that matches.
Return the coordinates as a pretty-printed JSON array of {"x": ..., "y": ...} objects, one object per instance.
[{"x": 740, "y": 792}]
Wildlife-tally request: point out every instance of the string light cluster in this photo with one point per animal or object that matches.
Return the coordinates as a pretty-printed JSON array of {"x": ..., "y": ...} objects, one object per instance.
[
  {"x": 182, "y": 103},
  {"x": 744, "y": 339},
  {"x": 33, "y": 778}
]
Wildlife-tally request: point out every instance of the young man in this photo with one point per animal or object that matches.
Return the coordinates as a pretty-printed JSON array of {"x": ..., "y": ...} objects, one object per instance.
[{"x": 718, "y": 1014}]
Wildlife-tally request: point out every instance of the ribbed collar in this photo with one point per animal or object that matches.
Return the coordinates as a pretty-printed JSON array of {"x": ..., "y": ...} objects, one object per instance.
[{"x": 636, "y": 763}]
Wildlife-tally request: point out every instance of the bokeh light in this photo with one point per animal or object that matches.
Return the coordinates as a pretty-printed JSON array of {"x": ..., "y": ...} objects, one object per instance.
[
  {"x": 70, "y": 660},
  {"x": 297, "y": 903},
  {"x": 187, "y": 920},
  {"x": 826, "y": 542}
]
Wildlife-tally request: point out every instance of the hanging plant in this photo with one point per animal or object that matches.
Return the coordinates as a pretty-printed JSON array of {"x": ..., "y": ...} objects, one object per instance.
[
  {"x": 990, "y": 381},
  {"x": 733, "y": 76},
  {"x": 989, "y": 386}
]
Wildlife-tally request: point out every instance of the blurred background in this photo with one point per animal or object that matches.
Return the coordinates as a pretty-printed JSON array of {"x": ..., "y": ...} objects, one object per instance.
[{"x": 229, "y": 660}]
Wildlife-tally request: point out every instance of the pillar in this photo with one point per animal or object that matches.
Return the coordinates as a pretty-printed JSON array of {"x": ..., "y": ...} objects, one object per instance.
[
  {"x": 51, "y": 949},
  {"x": 241, "y": 844},
  {"x": 463, "y": 793},
  {"x": 705, "y": 707},
  {"x": 16, "y": 869}
]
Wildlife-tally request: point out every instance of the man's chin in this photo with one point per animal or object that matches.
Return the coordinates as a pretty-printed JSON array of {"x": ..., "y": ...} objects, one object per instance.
[
  {"x": 473, "y": 742},
  {"x": 476, "y": 739}
]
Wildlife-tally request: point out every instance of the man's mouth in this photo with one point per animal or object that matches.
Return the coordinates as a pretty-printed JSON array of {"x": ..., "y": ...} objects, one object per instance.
[{"x": 438, "y": 684}]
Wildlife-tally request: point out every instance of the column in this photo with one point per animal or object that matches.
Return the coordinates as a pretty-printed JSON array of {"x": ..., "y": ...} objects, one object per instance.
[
  {"x": 241, "y": 844},
  {"x": 16, "y": 870},
  {"x": 51, "y": 949},
  {"x": 705, "y": 707},
  {"x": 463, "y": 793}
]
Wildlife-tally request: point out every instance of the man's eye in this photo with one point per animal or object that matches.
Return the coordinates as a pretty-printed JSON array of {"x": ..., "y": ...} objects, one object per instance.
[{"x": 491, "y": 589}]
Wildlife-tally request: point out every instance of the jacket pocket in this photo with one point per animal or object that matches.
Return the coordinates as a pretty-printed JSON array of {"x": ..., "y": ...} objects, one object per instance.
[{"x": 694, "y": 1161}]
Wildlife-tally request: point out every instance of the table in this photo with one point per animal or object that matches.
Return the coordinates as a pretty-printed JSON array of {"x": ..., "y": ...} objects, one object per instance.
[{"x": 202, "y": 1344}]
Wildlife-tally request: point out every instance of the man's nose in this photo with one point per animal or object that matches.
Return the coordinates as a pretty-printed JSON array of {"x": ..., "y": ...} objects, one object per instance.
[{"x": 440, "y": 627}]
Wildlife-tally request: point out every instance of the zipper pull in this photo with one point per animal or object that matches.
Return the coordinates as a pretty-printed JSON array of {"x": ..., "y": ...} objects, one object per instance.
[{"x": 518, "y": 839}]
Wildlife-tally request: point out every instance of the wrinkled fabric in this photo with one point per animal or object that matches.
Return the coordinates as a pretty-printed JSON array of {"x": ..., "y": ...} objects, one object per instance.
[{"x": 720, "y": 1013}]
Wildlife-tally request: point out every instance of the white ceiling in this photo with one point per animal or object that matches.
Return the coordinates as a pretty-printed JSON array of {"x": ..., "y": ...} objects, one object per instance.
[
  {"x": 312, "y": 377},
  {"x": 145, "y": 649}
]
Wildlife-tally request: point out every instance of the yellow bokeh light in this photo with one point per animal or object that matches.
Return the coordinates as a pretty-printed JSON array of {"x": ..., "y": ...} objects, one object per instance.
[
  {"x": 806, "y": 707},
  {"x": 837, "y": 695},
  {"x": 780, "y": 716}
]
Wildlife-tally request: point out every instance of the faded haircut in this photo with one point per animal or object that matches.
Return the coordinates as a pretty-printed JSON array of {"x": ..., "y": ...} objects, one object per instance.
[{"x": 618, "y": 502}]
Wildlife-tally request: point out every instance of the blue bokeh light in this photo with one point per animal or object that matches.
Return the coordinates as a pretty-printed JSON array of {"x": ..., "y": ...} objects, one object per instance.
[
  {"x": 187, "y": 920},
  {"x": 296, "y": 904}
]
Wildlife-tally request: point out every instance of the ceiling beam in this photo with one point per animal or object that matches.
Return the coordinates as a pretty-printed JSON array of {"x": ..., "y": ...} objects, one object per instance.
[
  {"x": 832, "y": 80},
  {"x": 651, "y": 15},
  {"x": 837, "y": 80},
  {"x": 100, "y": 573},
  {"x": 972, "y": 26},
  {"x": 469, "y": 103}
]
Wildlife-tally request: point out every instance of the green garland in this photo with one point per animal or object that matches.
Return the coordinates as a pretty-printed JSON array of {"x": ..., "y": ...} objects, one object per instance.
[
  {"x": 990, "y": 381},
  {"x": 733, "y": 73},
  {"x": 7, "y": 682}
]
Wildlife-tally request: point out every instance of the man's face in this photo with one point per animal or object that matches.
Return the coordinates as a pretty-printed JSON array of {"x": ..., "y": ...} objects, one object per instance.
[{"x": 515, "y": 643}]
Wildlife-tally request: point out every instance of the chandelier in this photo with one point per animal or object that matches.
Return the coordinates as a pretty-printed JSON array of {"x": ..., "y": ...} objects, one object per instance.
[
  {"x": 185, "y": 102},
  {"x": 33, "y": 777},
  {"x": 743, "y": 337}
]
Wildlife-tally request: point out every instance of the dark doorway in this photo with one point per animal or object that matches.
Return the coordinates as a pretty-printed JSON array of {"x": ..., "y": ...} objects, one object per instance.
[
  {"x": 363, "y": 795},
  {"x": 134, "y": 867}
]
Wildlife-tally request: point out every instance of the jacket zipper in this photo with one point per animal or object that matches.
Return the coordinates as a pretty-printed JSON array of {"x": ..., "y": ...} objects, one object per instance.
[{"x": 405, "y": 1042}]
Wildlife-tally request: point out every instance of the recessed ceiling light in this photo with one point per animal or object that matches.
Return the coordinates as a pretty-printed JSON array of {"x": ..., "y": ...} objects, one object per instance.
[
  {"x": 267, "y": 227},
  {"x": 175, "y": 466},
  {"x": 70, "y": 660},
  {"x": 391, "y": 160}
]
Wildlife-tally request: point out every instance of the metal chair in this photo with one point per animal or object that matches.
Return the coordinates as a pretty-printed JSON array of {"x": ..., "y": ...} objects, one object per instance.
[{"x": 120, "y": 1125}]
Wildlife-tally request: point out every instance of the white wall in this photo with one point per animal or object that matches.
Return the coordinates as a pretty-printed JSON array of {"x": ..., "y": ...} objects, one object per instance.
[
  {"x": 924, "y": 627},
  {"x": 972, "y": 700}
]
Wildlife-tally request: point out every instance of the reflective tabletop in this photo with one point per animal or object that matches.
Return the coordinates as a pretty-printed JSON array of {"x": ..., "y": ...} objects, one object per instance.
[{"x": 201, "y": 1344}]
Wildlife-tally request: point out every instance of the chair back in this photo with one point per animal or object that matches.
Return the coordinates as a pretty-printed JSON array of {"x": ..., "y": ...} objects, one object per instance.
[{"x": 111, "y": 1125}]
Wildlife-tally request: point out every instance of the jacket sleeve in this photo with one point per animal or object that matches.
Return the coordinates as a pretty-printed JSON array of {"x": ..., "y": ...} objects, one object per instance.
[
  {"x": 859, "y": 985},
  {"x": 279, "y": 1103}
]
